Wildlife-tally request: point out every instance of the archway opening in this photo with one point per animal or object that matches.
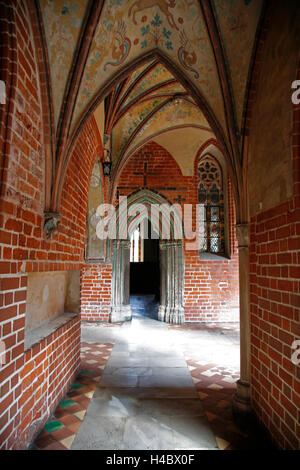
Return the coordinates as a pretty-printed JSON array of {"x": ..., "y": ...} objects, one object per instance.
[
  {"x": 144, "y": 270},
  {"x": 144, "y": 261}
]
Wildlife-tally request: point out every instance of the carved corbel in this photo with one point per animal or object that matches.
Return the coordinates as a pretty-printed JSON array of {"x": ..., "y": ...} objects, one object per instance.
[{"x": 51, "y": 222}]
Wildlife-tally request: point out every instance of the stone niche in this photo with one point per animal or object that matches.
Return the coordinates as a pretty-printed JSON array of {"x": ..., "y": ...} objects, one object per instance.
[{"x": 53, "y": 298}]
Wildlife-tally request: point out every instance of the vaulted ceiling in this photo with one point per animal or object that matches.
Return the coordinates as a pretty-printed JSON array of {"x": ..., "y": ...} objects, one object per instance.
[{"x": 149, "y": 70}]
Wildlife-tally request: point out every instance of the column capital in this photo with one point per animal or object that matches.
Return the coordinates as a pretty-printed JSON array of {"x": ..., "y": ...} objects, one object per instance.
[
  {"x": 122, "y": 243},
  {"x": 167, "y": 243},
  {"x": 125, "y": 243},
  {"x": 242, "y": 235}
]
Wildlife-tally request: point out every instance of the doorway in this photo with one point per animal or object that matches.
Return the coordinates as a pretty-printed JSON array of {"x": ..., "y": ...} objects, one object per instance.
[
  {"x": 166, "y": 280},
  {"x": 144, "y": 271}
]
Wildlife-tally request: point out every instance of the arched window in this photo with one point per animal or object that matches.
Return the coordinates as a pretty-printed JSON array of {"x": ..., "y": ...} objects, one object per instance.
[{"x": 211, "y": 207}]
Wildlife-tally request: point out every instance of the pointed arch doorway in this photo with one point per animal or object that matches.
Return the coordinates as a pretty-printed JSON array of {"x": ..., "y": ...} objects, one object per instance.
[
  {"x": 144, "y": 262},
  {"x": 167, "y": 224}
]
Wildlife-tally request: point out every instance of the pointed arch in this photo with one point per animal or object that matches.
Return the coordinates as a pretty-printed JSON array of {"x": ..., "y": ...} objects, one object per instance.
[
  {"x": 171, "y": 308},
  {"x": 42, "y": 59},
  {"x": 140, "y": 145},
  {"x": 149, "y": 199},
  {"x": 117, "y": 78},
  {"x": 8, "y": 74}
]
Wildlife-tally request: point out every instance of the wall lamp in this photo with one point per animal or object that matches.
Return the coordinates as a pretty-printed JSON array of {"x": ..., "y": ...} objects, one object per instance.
[{"x": 106, "y": 163}]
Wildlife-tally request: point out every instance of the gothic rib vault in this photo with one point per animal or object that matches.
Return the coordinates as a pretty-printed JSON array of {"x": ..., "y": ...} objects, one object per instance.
[
  {"x": 161, "y": 88},
  {"x": 103, "y": 49}
]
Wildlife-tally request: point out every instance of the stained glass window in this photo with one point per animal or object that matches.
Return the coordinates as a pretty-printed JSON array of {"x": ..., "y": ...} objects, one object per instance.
[{"x": 211, "y": 207}]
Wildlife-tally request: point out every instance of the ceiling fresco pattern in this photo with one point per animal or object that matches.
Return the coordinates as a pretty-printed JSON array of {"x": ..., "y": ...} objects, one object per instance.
[
  {"x": 172, "y": 115},
  {"x": 209, "y": 44},
  {"x": 62, "y": 22},
  {"x": 158, "y": 76},
  {"x": 128, "y": 124},
  {"x": 146, "y": 107},
  {"x": 129, "y": 28},
  {"x": 138, "y": 71}
]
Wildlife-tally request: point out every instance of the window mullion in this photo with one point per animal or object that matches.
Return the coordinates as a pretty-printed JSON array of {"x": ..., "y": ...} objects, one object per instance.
[{"x": 208, "y": 221}]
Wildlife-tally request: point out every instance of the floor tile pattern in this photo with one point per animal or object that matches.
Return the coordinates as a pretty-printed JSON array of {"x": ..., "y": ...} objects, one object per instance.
[
  {"x": 216, "y": 386},
  {"x": 146, "y": 398},
  {"x": 138, "y": 387},
  {"x": 61, "y": 429}
]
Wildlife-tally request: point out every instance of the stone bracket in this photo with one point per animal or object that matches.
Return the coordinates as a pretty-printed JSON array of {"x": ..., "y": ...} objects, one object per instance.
[{"x": 51, "y": 222}]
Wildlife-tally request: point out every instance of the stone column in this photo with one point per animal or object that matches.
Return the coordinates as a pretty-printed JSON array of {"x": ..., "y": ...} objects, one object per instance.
[
  {"x": 163, "y": 285},
  {"x": 120, "y": 309},
  {"x": 174, "y": 310},
  {"x": 242, "y": 401}
]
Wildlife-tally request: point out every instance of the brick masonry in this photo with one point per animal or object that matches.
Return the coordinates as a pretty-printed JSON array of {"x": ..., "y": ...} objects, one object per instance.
[
  {"x": 51, "y": 365},
  {"x": 275, "y": 320},
  {"x": 33, "y": 381},
  {"x": 210, "y": 287},
  {"x": 275, "y": 310},
  {"x": 96, "y": 292}
]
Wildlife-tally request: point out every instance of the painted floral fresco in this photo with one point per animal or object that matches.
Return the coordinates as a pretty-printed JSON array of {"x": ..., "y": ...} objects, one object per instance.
[
  {"x": 128, "y": 124},
  {"x": 137, "y": 72},
  {"x": 134, "y": 27},
  {"x": 129, "y": 28},
  {"x": 238, "y": 21},
  {"x": 62, "y": 20},
  {"x": 168, "y": 117},
  {"x": 158, "y": 75},
  {"x": 95, "y": 247}
]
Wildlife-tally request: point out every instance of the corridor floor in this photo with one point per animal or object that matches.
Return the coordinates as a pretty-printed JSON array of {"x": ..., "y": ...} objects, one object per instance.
[{"x": 149, "y": 385}]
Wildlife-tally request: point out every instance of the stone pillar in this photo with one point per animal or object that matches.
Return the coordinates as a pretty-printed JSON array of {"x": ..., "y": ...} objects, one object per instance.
[
  {"x": 242, "y": 401},
  {"x": 120, "y": 308},
  {"x": 174, "y": 310},
  {"x": 163, "y": 280}
]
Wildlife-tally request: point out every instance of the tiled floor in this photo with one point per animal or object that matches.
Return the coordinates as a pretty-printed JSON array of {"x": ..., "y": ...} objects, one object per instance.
[
  {"x": 148, "y": 385},
  {"x": 62, "y": 427}
]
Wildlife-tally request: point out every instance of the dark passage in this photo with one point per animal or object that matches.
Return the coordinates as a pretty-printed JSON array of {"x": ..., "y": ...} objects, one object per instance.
[{"x": 145, "y": 275}]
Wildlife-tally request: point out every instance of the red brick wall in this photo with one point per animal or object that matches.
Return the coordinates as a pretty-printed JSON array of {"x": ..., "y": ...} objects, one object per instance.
[
  {"x": 96, "y": 292},
  {"x": 50, "y": 367},
  {"x": 210, "y": 287},
  {"x": 12, "y": 326},
  {"x": 33, "y": 382},
  {"x": 23, "y": 410},
  {"x": 23, "y": 245},
  {"x": 21, "y": 235},
  {"x": 275, "y": 320},
  {"x": 275, "y": 310}
]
